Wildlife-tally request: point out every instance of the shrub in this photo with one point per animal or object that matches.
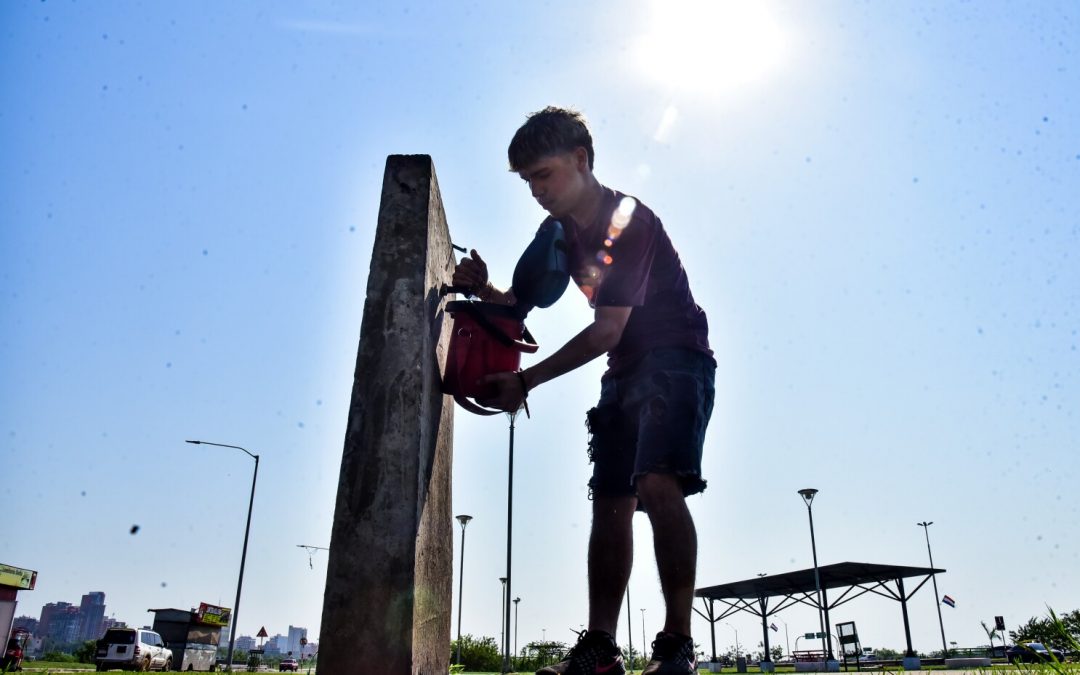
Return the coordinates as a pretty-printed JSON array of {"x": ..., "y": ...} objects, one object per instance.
[
  {"x": 58, "y": 657},
  {"x": 478, "y": 654}
]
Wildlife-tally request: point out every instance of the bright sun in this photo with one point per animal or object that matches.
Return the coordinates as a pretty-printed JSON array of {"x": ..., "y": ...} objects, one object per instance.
[{"x": 710, "y": 46}]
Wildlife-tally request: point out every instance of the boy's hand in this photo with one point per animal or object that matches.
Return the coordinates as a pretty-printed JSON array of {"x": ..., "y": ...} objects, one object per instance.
[
  {"x": 510, "y": 397},
  {"x": 471, "y": 273}
]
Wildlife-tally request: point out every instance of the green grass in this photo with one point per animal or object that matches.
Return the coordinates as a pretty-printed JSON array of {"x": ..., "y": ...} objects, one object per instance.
[{"x": 38, "y": 666}]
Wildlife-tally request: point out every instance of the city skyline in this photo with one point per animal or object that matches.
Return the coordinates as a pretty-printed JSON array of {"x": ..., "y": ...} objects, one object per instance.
[{"x": 86, "y": 621}]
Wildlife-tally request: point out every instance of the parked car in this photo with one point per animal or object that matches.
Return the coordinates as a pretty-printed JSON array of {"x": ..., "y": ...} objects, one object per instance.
[
  {"x": 288, "y": 664},
  {"x": 1033, "y": 652},
  {"x": 132, "y": 649}
]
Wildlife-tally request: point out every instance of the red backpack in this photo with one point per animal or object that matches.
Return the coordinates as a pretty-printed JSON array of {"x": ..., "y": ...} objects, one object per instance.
[{"x": 486, "y": 338}]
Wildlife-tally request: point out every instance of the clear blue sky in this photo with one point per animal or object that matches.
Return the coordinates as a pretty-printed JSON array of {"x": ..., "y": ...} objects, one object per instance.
[{"x": 877, "y": 204}]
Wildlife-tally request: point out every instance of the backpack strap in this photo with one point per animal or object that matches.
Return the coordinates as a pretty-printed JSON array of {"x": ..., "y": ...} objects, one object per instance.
[
  {"x": 474, "y": 408},
  {"x": 527, "y": 345}
]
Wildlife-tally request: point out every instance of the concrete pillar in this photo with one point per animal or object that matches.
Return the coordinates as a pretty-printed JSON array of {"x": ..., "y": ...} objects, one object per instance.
[{"x": 389, "y": 579}]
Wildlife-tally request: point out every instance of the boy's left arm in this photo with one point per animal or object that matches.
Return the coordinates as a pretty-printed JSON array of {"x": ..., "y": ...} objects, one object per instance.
[{"x": 596, "y": 339}]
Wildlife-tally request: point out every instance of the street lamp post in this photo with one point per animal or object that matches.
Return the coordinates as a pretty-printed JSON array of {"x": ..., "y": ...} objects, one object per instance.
[
  {"x": 787, "y": 640},
  {"x": 643, "y": 642},
  {"x": 243, "y": 555},
  {"x": 826, "y": 643},
  {"x": 925, "y": 525},
  {"x": 736, "y": 639},
  {"x": 516, "y": 601},
  {"x": 464, "y": 520},
  {"x": 504, "y": 618}
]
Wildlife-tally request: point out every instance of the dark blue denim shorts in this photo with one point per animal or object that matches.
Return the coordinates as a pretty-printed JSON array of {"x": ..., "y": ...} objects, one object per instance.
[{"x": 652, "y": 419}]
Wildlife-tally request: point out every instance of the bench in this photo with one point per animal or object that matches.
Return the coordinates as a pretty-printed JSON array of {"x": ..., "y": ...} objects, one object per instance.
[
  {"x": 964, "y": 662},
  {"x": 814, "y": 660}
]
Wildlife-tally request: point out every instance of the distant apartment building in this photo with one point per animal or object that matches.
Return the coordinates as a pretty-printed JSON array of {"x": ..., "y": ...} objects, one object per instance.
[
  {"x": 293, "y": 644},
  {"x": 47, "y": 613},
  {"x": 27, "y": 623},
  {"x": 276, "y": 646},
  {"x": 244, "y": 643},
  {"x": 64, "y": 623},
  {"x": 59, "y": 623},
  {"x": 92, "y": 615}
]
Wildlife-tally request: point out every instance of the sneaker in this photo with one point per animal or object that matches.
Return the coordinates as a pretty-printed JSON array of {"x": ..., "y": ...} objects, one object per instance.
[
  {"x": 672, "y": 654},
  {"x": 594, "y": 654}
]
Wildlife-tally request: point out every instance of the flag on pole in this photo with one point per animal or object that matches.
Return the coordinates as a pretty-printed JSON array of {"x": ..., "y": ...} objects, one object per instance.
[
  {"x": 773, "y": 626},
  {"x": 948, "y": 601}
]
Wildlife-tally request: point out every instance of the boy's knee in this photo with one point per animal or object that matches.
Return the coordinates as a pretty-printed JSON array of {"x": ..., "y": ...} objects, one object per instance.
[
  {"x": 612, "y": 510},
  {"x": 658, "y": 488}
]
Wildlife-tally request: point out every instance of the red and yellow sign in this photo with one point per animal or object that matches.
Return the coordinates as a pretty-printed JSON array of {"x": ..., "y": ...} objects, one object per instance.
[
  {"x": 213, "y": 615},
  {"x": 17, "y": 577}
]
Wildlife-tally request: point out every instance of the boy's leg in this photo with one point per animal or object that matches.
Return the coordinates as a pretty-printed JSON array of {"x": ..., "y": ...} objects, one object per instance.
[
  {"x": 675, "y": 544},
  {"x": 611, "y": 555}
]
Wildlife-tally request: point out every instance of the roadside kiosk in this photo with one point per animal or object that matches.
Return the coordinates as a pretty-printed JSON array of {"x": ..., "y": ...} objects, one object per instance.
[
  {"x": 12, "y": 580},
  {"x": 193, "y": 636}
]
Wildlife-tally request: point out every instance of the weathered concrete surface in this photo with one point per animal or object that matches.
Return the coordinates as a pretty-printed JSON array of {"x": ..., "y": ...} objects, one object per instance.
[{"x": 386, "y": 609}]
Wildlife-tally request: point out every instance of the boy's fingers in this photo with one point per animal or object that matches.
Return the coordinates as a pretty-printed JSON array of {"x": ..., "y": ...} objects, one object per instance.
[{"x": 476, "y": 257}]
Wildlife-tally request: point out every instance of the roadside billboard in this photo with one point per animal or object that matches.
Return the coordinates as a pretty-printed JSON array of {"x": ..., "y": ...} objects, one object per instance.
[
  {"x": 213, "y": 615},
  {"x": 17, "y": 577}
]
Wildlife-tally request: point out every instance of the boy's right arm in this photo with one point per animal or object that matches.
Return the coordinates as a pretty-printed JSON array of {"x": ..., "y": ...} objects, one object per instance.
[{"x": 472, "y": 273}]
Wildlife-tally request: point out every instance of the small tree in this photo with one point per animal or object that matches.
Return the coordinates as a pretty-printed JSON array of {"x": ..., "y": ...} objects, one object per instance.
[
  {"x": 1068, "y": 625},
  {"x": 478, "y": 654},
  {"x": 1045, "y": 631},
  {"x": 86, "y": 651},
  {"x": 991, "y": 633}
]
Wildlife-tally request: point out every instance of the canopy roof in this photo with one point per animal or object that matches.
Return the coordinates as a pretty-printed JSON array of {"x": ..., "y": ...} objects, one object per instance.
[{"x": 839, "y": 575}]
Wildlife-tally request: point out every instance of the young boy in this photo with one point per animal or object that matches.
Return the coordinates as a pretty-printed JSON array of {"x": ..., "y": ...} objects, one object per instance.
[{"x": 656, "y": 396}]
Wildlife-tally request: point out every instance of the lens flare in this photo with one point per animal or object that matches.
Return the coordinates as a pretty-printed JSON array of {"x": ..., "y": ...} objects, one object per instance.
[
  {"x": 623, "y": 212},
  {"x": 663, "y": 130}
]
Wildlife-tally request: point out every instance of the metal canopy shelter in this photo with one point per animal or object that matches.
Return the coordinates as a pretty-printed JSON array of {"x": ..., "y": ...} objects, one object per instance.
[{"x": 753, "y": 595}]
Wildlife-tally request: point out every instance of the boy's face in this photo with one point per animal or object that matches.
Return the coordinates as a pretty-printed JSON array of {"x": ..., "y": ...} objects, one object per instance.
[{"x": 558, "y": 182}]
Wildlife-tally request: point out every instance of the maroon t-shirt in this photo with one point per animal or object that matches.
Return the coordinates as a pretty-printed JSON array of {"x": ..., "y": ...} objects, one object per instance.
[{"x": 624, "y": 258}]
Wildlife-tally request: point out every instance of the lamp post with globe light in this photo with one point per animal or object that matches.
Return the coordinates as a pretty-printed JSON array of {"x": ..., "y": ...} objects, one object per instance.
[
  {"x": 464, "y": 520},
  {"x": 826, "y": 643},
  {"x": 643, "y": 640},
  {"x": 925, "y": 525},
  {"x": 504, "y": 631},
  {"x": 516, "y": 601}
]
